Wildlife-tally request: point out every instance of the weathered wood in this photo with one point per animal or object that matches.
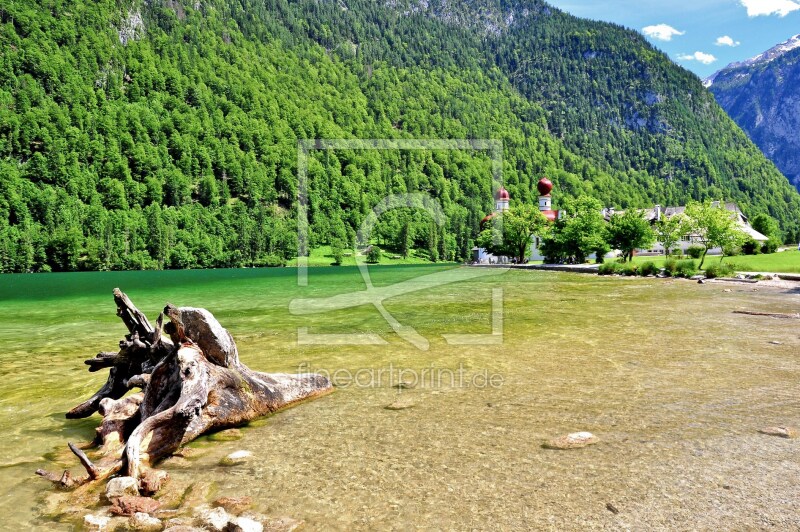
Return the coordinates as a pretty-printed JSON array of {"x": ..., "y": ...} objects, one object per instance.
[
  {"x": 192, "y": 383},
  {"x": 769, "y": 314},
  {"x": 139, "y": 352}
]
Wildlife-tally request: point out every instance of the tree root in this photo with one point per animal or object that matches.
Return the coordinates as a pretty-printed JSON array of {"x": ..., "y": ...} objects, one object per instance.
[{"x": 192, "y": 383}]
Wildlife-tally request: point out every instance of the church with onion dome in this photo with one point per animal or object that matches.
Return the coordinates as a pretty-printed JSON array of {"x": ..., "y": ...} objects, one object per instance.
[{"x": 502, "y": 201}]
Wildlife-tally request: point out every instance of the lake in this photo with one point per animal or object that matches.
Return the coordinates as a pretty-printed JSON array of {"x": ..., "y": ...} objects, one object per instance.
[{"x": 673, "y": 383}]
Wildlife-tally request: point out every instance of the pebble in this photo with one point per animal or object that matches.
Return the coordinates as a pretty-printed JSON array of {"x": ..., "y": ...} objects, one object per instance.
[
  {"x": 576, "y": 440},
  {"x": 236, "y": 458},
  {"x": 611, "y": 508}
]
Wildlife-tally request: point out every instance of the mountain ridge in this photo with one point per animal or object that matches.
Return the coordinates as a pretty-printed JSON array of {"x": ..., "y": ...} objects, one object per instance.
[
  {"x": 762, "y": 97},
  {"x": 763, "y": 58}
]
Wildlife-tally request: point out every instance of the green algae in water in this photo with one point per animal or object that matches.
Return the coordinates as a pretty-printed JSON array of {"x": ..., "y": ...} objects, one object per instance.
[{"x": 673, "y": 383}]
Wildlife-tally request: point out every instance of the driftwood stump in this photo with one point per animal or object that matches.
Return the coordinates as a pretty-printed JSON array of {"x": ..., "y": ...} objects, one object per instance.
[{"x": 192, "y": 382}]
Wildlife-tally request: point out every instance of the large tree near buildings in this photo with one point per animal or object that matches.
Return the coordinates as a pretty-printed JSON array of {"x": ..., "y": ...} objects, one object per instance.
[
  {"x": 713, "y": 226},
  {"x": 669, "y": 230},
  {"x": 628, "y": 232},
  {"x": 511, "y": 232},
  {"x": 577, "y": 234}
]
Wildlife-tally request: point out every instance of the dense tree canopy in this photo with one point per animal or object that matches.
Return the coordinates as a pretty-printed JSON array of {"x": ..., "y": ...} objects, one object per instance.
[{"x": 163, "y": 134}]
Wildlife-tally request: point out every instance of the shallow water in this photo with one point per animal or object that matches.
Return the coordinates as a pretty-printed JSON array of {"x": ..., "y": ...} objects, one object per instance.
[{"x": 673, "y": 383}]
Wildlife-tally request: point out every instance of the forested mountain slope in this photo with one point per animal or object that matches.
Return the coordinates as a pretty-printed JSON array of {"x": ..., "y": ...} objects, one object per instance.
[
  {"x": 763, "y": 96},
  {"x": 164, "y": 133}
]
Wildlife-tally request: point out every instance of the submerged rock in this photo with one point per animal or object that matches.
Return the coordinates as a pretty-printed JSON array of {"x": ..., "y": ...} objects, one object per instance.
[
  {"x": 128, "y": 505},
  {"x": 576, "y": 440},
  {"x": 188, "y": 452},
  {"x": 120, "y": 486},
  {"x": 234, "y": 505},
  {"x": 401, "y": 403},
  {"x": 144, "y": 523},
  {"x": 182, "y": 524},
  {"x": 153, "y": 480},
  {"x": 95, "y": 523},
  {"x": 281, "y": 524},
  {"x": 782, "y": 432},
  {"x": 227, "y": 435},
  {"x": 198, "y": 494},
  {"x": 213, "y": 518},
  {"x": 274, "y": 524},
  {"x": 236, "y": 458},
  {"x": 244, "y": 524}
]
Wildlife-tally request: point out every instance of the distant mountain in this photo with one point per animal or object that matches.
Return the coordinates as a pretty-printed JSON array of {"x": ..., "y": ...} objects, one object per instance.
[
  {"x": 163, "y": 133},
  {"x": 762, "y": 95}
]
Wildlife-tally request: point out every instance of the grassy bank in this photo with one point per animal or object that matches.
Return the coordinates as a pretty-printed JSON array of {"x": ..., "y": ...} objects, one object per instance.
[
  {"x": 323, "y": 256},
  {"x": 783, "y": 262}
]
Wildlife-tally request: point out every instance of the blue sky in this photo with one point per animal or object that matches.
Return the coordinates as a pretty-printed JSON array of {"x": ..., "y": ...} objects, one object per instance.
[{"x": 688, "y": 30}]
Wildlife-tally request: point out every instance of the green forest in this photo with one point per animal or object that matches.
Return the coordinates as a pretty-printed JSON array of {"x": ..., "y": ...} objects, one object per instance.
[{"x": 164, "y": 134}]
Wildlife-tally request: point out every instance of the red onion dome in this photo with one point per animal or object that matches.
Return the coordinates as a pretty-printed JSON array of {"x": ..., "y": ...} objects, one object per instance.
[
  {"x": 545, "y": 186},
  {"x": 502, "y": 195}
]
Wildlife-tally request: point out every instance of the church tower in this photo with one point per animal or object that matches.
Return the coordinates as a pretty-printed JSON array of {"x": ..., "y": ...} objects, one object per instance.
[
  {"x": 503, "y": 199},
  {"x": 545, "y": 187}
]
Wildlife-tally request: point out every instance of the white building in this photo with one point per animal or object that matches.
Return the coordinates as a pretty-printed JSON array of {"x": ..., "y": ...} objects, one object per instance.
[{"x": 655, "y": 215}]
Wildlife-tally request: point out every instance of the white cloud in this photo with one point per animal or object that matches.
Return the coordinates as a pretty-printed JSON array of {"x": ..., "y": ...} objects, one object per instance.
[
  {"x": 662, "y": 32},
  {"x": 701, "y": 57},
  {"x": 727, "y": 41},
  {"x": 756, "y": 8}
]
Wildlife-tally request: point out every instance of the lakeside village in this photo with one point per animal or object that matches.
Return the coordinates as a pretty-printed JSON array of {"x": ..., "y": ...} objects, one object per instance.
[{"x": 697, "y": 230}]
